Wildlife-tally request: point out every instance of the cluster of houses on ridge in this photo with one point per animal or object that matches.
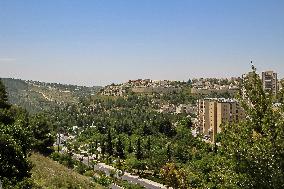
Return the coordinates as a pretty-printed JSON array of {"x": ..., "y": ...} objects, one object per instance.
[{"x": 141, "y": 86}]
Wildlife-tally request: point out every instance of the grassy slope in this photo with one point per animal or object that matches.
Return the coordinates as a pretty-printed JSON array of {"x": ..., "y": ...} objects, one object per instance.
[{"x": 52, "y": 175}]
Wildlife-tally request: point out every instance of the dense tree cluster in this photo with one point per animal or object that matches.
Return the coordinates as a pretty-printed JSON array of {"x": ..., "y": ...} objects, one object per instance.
[
  {"x": 19, "y": 135},
  {"x": 131, "y": 131}
]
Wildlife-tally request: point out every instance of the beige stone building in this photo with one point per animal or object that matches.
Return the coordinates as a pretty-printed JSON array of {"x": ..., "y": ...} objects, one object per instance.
[
  {"x": 212, "y": 112},
  {"x": 280, "y": 86},
  {"x": 270, "y": 82}
]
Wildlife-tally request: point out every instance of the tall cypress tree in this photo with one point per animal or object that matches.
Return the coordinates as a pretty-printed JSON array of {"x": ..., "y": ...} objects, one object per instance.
[
  {"x": 130, "y": 148},
  {"x": 109, "y": 147},
  {"x": 148, "y": 145},
  {"x": 120, "y": 148},
  {"x": 139, "y": 153},
  {"x": 169, "y": 152}
]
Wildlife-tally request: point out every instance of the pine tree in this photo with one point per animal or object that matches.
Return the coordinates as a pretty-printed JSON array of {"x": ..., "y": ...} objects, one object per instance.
[
  {"x": 3, "y": 96},
  {"x": 6, "y": 116},
  {"x": 41, "y": 129}
]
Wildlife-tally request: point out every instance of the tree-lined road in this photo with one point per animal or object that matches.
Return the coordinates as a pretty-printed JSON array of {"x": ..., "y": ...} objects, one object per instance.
[{"x": 127, "y": 176}]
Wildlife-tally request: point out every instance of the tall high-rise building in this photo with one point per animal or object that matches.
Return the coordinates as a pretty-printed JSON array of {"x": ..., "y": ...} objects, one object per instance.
[
  {"x": 212, "y": 112},
  {"x": 269, "y": 82}
]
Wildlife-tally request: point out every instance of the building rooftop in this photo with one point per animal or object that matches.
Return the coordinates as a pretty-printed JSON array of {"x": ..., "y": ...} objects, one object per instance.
[{"x": 222, "y": 100}]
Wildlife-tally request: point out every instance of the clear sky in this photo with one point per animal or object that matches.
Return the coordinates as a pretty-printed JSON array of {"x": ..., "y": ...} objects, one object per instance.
[{"x": 97, "y": 42}]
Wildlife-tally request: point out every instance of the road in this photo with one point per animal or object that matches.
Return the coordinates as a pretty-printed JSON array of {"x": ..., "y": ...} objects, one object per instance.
[{"x": 127, "y": 176}]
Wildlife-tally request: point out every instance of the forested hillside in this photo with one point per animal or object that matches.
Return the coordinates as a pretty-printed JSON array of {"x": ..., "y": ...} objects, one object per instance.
[
  {"x": 23, "y": 134},
  {"x": 38, "y": 96}
]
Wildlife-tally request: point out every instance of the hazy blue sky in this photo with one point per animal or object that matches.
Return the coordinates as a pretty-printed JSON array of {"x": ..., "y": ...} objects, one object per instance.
[{"x": 96, "y": 42}]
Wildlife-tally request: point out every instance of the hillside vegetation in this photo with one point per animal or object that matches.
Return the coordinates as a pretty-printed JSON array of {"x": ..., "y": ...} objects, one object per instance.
[
  {"x": 38, "y": 96},
  {"x": 52, "y": 175}
]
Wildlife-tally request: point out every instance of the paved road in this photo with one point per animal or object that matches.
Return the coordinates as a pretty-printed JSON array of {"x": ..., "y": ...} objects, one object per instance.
[
  {"x": 127, "y": 176},
  {"x": 143, "y": 182},
  {"x": 113, "y": 186}
]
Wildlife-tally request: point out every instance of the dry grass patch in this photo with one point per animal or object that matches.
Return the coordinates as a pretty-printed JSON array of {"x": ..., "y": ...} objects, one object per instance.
[{"x": 52, "y": 175}]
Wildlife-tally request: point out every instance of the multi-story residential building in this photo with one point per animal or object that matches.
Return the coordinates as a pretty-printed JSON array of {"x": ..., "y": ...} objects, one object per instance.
[
  {"x": 280, "y": 84},
  {"x": 269, "y": 82},
  {"x": 212, "y": 112},
  {"x": 207, "y": 86}
]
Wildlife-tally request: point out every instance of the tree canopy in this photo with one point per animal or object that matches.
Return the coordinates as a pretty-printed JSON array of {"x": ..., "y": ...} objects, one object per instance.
[{"x": 17, "y": 139}]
